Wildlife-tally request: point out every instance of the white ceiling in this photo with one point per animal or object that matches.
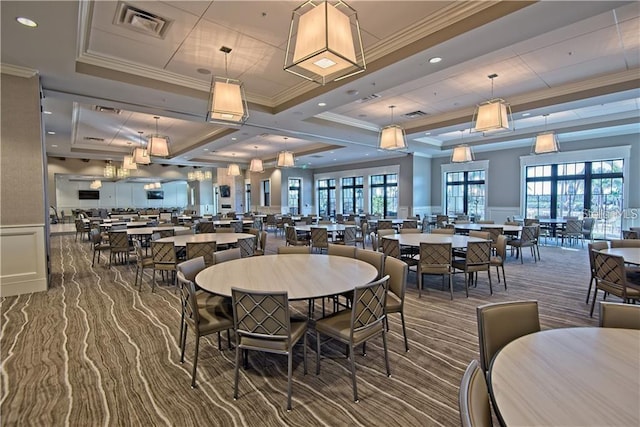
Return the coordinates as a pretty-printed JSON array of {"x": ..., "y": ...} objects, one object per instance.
[{"x": 576, "y": 61}]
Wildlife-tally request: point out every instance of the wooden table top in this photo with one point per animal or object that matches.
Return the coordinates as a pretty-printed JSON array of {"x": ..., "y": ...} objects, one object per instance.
[
  {"x": 479, "y": 227},
  {"x": 569, "y": 376},
  {"x": 456, "y": 240},
  {"x": 630, "y": 255},
  {"x": 219, "y": 238},
  {"x": 150, "y": 230},
  {"x": 329, "y": 227},
  {"x": 302, "y": 276}
]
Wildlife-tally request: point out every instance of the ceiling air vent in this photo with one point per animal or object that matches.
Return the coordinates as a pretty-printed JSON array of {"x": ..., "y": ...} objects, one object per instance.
[
  {"x": 93, "y": 139},
  {"x": 108, "y": 110},
  {"x": 316, "y": 156},
  {"x": 369, "y": 98},
  {"x": 414, "y": 114},
  {"x": 141, "y": 21}
]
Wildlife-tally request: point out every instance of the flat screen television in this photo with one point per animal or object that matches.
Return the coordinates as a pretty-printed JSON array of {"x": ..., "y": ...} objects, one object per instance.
[
  {"x": 155, "y": 195},
  {"x": 89, "y": 194},
  {"x": 225, "y": 191}
]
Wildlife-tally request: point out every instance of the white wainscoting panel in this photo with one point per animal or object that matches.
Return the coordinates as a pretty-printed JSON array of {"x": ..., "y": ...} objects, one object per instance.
[
  {"x": 499, "y": 215},
  {"x": 23, "y": 266}
]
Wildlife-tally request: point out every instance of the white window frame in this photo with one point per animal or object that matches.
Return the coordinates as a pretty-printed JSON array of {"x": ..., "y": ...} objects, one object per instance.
[{"x": 476, "y": 165}]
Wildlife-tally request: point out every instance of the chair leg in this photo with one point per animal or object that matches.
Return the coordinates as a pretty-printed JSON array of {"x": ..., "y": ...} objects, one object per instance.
[
  {"x": 490, "y": 286},
  {"x": 419, "y": 283},
  {"x": 153, "y": 282},
  {"x": 593, "y": 303},
  {"x": 317, "y": 353},
  {"x": 589, "y": 291},
  {"x": 183, "y": 342},
  {"x": 504, "y": 278},
  {"x": 236, "y": 373},
  {"x": 195, "y": 362},
  {"x": 404, "y": 331},
  {"x": 353, "y": 373},
  {"x": 289, "y": 372},
  {"x": 450, "y": 289},
  {"x": 466, "y": 284},
  {"x": 386, "y": 353}
]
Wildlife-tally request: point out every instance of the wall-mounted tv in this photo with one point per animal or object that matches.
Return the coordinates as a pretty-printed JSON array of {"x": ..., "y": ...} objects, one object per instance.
[
  {"x": 155, "y": 194},
  {"x": 225, "y": 191},
  {"x": 88, "y": 194}
]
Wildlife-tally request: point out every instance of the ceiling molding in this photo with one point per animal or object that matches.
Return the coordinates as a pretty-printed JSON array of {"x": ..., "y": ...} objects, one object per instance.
[{"x": 15, "y": 70}]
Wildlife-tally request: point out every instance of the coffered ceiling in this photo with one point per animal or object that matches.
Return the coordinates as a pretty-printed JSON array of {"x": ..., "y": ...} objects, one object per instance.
[{"x": 105, "y": 77}]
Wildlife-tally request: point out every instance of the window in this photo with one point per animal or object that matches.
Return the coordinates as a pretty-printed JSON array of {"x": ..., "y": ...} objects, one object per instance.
[
  {"x": 384, "y": 195},
  {"x": 295, "y": 185},
  {"x": 327, "y": 197},
  {"x": 578, "y": 189},
  {"x": 465, "y": 193},
  {"x": 353, "y": 195},
  {"x": 266, "y": 192}
]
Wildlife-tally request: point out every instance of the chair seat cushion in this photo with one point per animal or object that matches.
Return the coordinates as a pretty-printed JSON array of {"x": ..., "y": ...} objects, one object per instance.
[
  {"x": 214, "y": 318},
  {"x": 394, "y": 304},
  {"x": 496, "y": 260},
  {"x": 298, "y": 329},
  {"x": 338, "y": 325}
]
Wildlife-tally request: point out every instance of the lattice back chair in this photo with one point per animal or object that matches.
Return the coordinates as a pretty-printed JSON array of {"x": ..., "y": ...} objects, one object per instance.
[
  {"x": 478, "y": 259},
  {"x": 206, "y": 227},
  {"x": 501, "y": 323},
  {"x": 98, "y": 245},
  {"x": 262, "y": 247},
  {"x": 165, "y": 258},
  {"x": 572, "y": 231},
  {"x": 349, "y": 236},
  {"x": 169, "y": 232},
  {"x": 204, "y": 319},
  {"x": 410, "y": 223},
  {"x": 118, "y": 246},
  {"x": 397, "y": 271},
  {"x": 381, "y": 234},
  {"x": 435, "y": 259},
  {"x": 291, "y": 236},
  {"x": 473, "y": 398},
  {"x": 263, "y": 323},
  {"x": 201, "y": 249},
  {"x": 527, "y": 238},
  {"x": 236, "y": 226},
  {"x": 142, "y": 261},
  {"x": 255, "y": 232},
  {"x": 441, "y": 221},
  {"x": 494, "y": 232},
  {"x": 391, "y": 248},
  {"x": 628, "y": 234},
  {"x": 385, "y": 224},
  {"x": 361, "y": 235},
  {"x": 498, "y": 259},
  {"x": 247, "y": 247},
  {"x": 591, "y": 247},
  {"x": 611, "y": 277},
  {"x": 365, "y": 319},
  {"x": 319, "y": 239}
]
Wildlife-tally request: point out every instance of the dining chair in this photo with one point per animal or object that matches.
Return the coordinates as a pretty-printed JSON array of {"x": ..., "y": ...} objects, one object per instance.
[
  {"x": 485, "y": 221},
  {"x": 165, "y": 258},
  {"x": 478, "y": 258},
  {"x": 292, "y": 238},
  {"x": 262, "y": 322},
  {"x": 236, "y": 226},
  {"x": 611, "y": 278},
  {"x": 247, "y": 247},
  {"x": 372, "y": 257},
  {"x": 391, "y": 248},
  {"x": 397, "y": 271},
  {"x": 201, "y": 249},
  {"x": 435, "y": 259},
  {"x": 385, "y": 224},
  {"x": 98, "y": 245},
  {"x": 204, "y": 319},
  {"x": 361, "y": 235},
  {"x": 591, "y": 247},
  {"x": 572, "y": 231},
  {"x": 142, "y": 261},
  {"x": 206, "y": 227},
  {"x": 118, "y": 246},
  {"x": 357, "y": 325},
  {"x": 527, "y": 239},
  {"x": 409, "y": 223},
  {"x": 617, "y": 315},
  {"x": 501, "y": 323},
  {"x": 226, "y": 255},
  {"x": 82, "y": 227},
  {"x": 380, "y": 234},
  {"x": 319, "y": 239},
  {"x": 262, "y": 247},
  {"x": 349, "y": 236},
  {"x": 473, "y": 398},
  {"x": 625, "y": 243},
  {"x": 498, "y": 259},
  {"x": 341, "y": 250}
]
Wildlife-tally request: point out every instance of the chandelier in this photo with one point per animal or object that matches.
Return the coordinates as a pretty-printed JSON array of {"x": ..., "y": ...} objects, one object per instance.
[{"x": 227, "y": 101}]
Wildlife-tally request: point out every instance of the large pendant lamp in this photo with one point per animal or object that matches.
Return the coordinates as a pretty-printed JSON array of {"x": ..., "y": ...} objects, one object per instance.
[
  {"x": 392, "y": 137},
  {"x": 128, "y": 163},
  {"x": 227, "y": 101},
  {"x": 233, "y": 169},
  {"x": 158, "y": 144},
  {"x": 462, "y": 153},
  {"x": 109, "y": 170},
  {"x": 492, "y": 115},
  {"x": 285, "y": 158},
  {"x": 256, "y": 163},
  {"x": 140, "y": 154},
  {"x": 324, "y": 42},
  {"x": 546, "y": 142}
]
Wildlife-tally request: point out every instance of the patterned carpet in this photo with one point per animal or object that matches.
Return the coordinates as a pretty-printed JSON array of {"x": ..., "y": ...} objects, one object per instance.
[{"x": 94, "y": 351}]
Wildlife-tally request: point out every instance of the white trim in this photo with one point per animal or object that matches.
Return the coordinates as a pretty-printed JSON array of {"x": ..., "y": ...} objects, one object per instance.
[
  {"x": 15, "y": 70},
  {"x": 590, "y": 155},
  {"x": 476, "y": 165},
  {"x": 24, "y": 267}
]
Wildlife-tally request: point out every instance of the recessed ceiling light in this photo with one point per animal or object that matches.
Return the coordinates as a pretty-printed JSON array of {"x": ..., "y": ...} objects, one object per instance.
[
  {"x": 26, "y": 22},
  {"x": 234, "y": 139},
  {"x": 203, "y": 71},
  {"x": 322, "y": 104},
  {"x": 526, "y": 114},
  {"x": 435, "y": 60},
  {"x": 427, "y": 133},
  {"x": 47, "y": 112},
  {"x": 51, "y": 132},
  {"x": 206, "y": 149},
  {"x": 54, "y": 145}
]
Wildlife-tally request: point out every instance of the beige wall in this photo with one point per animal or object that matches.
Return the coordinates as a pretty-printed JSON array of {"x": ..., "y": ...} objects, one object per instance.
[{"x": 21, "y": 159}]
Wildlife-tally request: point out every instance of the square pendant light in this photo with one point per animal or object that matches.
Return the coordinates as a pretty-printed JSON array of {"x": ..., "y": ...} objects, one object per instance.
[
  {"x": 546, "y": 143},
  {"x": 109, "y": 171},
  {"x": 492, "y": 115},
  {"x": 227, "y": 101},
  {"x": 462, "y": 154},
  {"x": 141, "y": 156},
  {"x": 256, "y": 166},
  {"x": 128, "y": 163},
  {"x": 324, "y": 42},
  {"x": 233, "y": 170},
  {"x": 392, "y": 138},
  {"x": 285, "y": 159},
  {"x": 158, "y": 144}
]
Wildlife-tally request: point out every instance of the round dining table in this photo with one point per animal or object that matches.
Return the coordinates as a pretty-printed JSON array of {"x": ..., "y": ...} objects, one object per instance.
[
  {"x": 219, "y": 238},
  {"x": 147, "y": 231},
  {"x": 630, "y": 255},
  {"x": 507, "y": 229},
  {"x": 414, "y": 239},
  {"x": 330, "y": 227},
  {"x": 568, "y": 377},
  {"x": 303, "y": 276}
]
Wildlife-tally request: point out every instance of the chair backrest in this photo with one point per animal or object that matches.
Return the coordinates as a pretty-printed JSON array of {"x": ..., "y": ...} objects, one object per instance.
[
  {"x": 294, "y": 250},
  {"x": 319, "y": 237},
  {"x": 494, "y": 232},
  {"x": 226, "y": 255},
  {"x": 441, "y": 220},
  {"x": 385, "y": 224},
  {"x": 501, "y": 323},
  {"x": 368, "y": 308},
  {"x": 188, "y": 299},
  {"x": 236, "y": 226},
  {"x": 290, "y": 234},
  {"x": 531, "y": 221},
  {"x": 410, "y": 231},
  {"x": 478, "y": 253},
  {"x": 191, "y": 267},
  {"x": 619, "y": 315},
  {"x": 169, "y": 232},
  {"x": 625, "y": 243},
  {"x": 410, "y": 223},
  {"x": 628, "y": 234},
  {"x": 573, "y": 226},
  {"x": 485, "y": 221},
  {"x": 202, "y": 249},
  {"x": 610, "y": 274},
  {"x": 137, "y": 246},
  {"x": 529, "y": 233},
  {"x": 587, "y": 225},
  {"x": 397, "y": 270},
  {"x": 263, "y": 241},
  {"x": 118, "y": 240},
  {"x": 443, "y": 231},
  {"x": 372, "y": 257},
  {"x": 206, "y": 227},
  {"x": 501, "y": 247},
  {"x": 256, "y": 233},
  {"x": 342, "y": 250},
  {"x": 435, "y": 258},
  {"x": 391, "y": 248},
  {"x": 163, "y": 253},
  {"x": 595, "y": 246},
  {"x": 480, "y": 234},
  {"x": 473, "y": 399},
  {"x": 261, "y": 315},
  {"x": 350, "y": 234},
  {"x": 95, "y": 236},
  {"x": 247, "y": 247}
]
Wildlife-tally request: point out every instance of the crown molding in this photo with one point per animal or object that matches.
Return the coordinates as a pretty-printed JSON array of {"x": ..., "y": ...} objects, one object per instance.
[{"x": 16, "y": 70}]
